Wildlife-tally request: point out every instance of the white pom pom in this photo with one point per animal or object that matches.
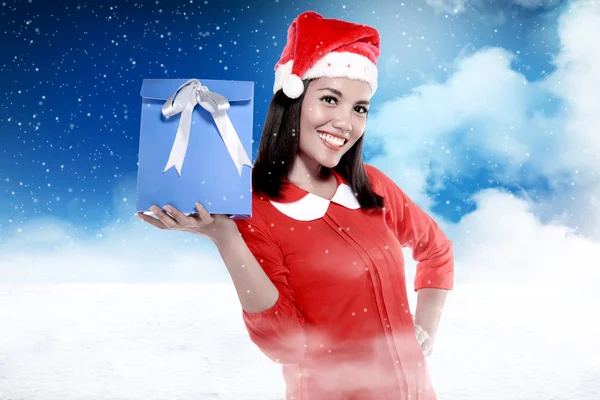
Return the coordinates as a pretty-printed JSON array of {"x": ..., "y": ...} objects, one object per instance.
[{"x": 293, "y": 86}]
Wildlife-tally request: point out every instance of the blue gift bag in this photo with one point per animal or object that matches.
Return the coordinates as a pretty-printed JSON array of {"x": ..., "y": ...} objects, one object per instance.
[{"x": 195, "y": 146}]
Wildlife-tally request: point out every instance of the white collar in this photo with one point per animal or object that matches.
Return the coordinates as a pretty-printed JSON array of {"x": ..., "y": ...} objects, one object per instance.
[{"x": 311, "y": 206}]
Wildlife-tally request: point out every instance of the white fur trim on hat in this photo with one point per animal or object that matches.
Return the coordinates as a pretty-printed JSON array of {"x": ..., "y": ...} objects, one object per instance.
[
  {"x": 282, "y": 72},
  {"x": 332, "y": 65},
  {"x": 293, "y": 86},
  {"x": 345, "y": 65}
]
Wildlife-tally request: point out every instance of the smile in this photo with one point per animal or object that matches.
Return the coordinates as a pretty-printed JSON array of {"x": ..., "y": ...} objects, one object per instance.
[{"x": 332, "y": 141}]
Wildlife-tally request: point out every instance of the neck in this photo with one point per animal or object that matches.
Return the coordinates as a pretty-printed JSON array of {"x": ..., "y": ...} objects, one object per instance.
[{"x": 305, "y": 172}]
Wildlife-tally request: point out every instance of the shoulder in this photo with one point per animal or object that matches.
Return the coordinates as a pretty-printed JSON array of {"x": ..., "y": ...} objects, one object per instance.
[
  {"x": 373, "y": 172},
  {"x": 385, "y": 186},
  {"x": 257, "y": 221},
  {"x": 379, "y": 180}
]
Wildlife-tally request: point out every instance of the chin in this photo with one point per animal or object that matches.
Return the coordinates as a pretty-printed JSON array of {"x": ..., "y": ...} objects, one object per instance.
[{"x": 329, "y": 162}]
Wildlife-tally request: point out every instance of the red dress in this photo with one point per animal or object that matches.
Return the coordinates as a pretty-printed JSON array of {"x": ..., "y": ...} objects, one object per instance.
[{"x": 342, "y": 326}]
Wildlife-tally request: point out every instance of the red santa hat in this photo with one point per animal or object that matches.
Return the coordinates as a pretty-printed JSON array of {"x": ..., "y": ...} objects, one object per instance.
[{"x": 322, "y": 47}]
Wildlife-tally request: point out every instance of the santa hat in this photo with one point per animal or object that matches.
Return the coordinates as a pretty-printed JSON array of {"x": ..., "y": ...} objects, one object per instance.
[{"x": 321, "y": 47}]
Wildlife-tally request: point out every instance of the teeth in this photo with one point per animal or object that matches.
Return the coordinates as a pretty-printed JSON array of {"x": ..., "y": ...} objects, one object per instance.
[{"x": 333, "y": 140}]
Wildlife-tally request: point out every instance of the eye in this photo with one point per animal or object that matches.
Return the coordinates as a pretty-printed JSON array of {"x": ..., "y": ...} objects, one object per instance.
[
  {"x": 366, "y": 111},
  {"x": 327, "y": 98}
]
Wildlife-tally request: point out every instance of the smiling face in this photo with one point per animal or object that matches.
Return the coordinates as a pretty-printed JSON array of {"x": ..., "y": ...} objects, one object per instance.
[{"x": 333, "y": 118}]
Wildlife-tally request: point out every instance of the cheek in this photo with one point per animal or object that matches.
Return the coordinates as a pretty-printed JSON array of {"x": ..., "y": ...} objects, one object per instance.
[
  {"x": 308, "y": 137},
  {"x": 360, "y": 132},
  {"x": 315, "y": 116}
]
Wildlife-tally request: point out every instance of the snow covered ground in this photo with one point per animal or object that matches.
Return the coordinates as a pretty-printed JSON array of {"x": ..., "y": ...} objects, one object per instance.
[{"x": 120, "y": 342}]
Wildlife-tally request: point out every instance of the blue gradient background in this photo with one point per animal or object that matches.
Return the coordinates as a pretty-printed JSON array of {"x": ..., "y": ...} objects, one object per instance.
[{"x": 72, "y": 75}]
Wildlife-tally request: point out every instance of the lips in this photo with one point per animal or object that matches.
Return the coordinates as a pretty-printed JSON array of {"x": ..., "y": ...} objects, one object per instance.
[
  {"x": 331, "y": 145},
  {"x": 334, "y": 135}
]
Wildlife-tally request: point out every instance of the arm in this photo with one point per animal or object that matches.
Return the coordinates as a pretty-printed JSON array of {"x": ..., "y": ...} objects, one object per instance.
[
  {"x": 271, "y": 317},
  {"x": 430, "y": 303},
  {"x": 432, "y": 250},
  {"x": 255, "y": 290}
]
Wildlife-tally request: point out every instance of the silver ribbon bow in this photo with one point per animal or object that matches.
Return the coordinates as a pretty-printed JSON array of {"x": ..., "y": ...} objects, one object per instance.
[{"x": 183, "y": 101}]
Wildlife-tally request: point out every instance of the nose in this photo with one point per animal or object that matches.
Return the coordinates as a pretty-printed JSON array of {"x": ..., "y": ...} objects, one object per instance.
[{"x": 343, "y": 124}]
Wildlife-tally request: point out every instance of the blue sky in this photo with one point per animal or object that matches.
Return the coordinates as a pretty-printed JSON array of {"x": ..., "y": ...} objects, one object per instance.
[{"x": 478, "y": 101}]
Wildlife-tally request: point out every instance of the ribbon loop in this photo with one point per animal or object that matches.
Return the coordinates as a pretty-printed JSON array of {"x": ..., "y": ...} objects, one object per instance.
[
  {"x": 211, "y": 101},
  {"x": 183, "y": 101}
]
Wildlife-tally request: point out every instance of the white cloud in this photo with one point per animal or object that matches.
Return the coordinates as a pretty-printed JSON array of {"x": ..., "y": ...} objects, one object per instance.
[
  {"x": 503, "y": 242},
  {"x": 459, "y": 6},
  {"x": 534, "y": 4},
  {"x": 578, "y": 81},
  {"x": 484, "y": 102},
  {"x": 50, "y": 250},
  {"x": 448, "y": 6},
  {"x": 488, "y": 109}
]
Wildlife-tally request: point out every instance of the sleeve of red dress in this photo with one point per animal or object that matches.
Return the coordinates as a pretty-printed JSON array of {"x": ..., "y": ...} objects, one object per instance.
[
  {"x": 415, "y": 229},
  {"x": 279, "y": 331}
]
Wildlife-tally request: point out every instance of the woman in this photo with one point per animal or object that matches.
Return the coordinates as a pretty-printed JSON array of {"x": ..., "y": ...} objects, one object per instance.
[{"x": 319, "y": 268}]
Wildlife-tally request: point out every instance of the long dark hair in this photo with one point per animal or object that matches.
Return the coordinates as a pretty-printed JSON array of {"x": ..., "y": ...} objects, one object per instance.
[{"x": 278, "y": 147}]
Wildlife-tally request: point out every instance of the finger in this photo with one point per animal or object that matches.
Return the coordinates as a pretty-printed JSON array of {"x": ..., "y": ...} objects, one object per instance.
[
  {"x": 427, "y": 346},
  {"x": 204, "y": 215},
  {"x": 180, "y": 217},
  {"x": 421, "y": 334},
  {"x": 418, "y": 330},
  {"x": 421, "y": 337},
  {"x": 152, "y": 221},
  {"x": 166, "y": 219}
]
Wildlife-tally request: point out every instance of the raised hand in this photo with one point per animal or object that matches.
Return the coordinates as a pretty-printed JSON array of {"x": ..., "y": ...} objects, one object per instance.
[{"x": 213, "y": 226}]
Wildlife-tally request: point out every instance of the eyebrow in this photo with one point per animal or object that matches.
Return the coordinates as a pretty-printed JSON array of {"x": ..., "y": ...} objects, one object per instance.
[{"x": 337, "y": 92}]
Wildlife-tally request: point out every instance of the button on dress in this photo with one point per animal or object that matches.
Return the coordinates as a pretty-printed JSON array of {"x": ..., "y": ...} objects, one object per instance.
[{"x": 341, "y": 326}]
